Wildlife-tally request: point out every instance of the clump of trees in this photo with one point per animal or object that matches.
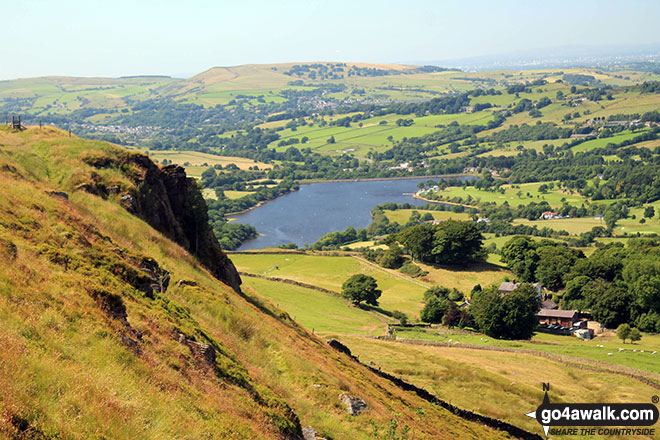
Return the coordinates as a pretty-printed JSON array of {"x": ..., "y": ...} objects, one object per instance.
[
  {"x": 624, "y": 331},
  {"x": 440, "y": 307},
  {"x": 545, "y": 261},
  {"x": 511, "y": 316},
  {"x": 451, "y": 242},
  {"x": 359, "y": 288},
  {"x": 618, "y": 284}
]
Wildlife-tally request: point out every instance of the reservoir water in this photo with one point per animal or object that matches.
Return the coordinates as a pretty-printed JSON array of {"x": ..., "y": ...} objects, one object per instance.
[{"x": 306, "y": 215}]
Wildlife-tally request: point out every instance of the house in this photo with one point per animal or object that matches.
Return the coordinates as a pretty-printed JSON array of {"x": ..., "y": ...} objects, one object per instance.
[
  {"x": 563, "y": 318},
  {"x": 548, "y": 215},
  {"x": 508, "y": 287},
  {"x": 483, "y": 220}
]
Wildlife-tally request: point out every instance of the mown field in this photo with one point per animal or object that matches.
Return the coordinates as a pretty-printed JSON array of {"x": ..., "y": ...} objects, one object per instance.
[{"x": 399, "y": 292}]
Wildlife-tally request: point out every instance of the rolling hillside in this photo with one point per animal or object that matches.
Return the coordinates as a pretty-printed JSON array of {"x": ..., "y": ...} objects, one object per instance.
[{"x": 112, "y": 329}]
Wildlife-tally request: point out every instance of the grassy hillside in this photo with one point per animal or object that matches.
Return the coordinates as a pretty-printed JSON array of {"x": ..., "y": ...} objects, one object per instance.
[{"x": 90, "y": 352}]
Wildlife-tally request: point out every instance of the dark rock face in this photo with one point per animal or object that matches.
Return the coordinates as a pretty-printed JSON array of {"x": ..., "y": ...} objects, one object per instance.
[
  {"x": 173, "y": 204},
  {"x": 339, "y": 347}
]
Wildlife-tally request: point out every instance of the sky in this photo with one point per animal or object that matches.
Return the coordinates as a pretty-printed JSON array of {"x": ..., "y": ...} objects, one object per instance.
[{"x": 119, "y": 37}]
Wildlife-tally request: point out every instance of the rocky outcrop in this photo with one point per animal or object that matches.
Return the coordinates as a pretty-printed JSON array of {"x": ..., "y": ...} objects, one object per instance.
[
  {"x": 309, "y": 433},
  {"x": 182, "y": 283},
  {"x": 354, "y": 405},
  {"x": 172, "y": 203},
  {"x": 204, "y": 354}
]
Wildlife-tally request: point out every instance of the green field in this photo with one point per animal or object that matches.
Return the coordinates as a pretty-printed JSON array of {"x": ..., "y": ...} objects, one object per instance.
[
  {"x": 399, "y": 292},
  {"x": 574, "y": 226},
  {"x": 402, "y": 216},
  {"x": 318, "y": 311},
  {"x": 521, "y": 194},
  {"x": 602, "y": 142}
]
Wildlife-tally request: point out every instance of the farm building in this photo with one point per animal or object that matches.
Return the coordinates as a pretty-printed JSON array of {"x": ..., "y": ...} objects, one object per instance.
[{"x": 563, "y": 318}]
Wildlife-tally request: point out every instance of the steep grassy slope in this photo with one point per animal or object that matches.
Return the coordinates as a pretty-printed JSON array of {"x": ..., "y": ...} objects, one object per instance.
[{"x": 100, "y": 341}]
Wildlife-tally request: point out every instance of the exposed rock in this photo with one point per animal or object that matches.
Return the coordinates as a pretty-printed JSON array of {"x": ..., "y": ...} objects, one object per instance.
[
  {"x": 113, "y": 189},
  {"x": 182, "y": 283},
  {"x": 114, "y": 307},
  {"x": 354, "y": 405},
  {"x": 158, "y": 278},
  {"x": 60, "y": 194},
  {"x": 203, "y": 353},
  {"x": 339, "y": 346},
  {"x": 173, "y": 204},
  {"x": 129, "y": 203},
  {"x": 310, "y": 433},
  {"x": 93, "y": 188}
]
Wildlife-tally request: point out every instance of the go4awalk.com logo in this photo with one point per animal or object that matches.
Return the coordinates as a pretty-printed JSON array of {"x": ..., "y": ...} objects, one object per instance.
[{"x": 596, "y": 419}]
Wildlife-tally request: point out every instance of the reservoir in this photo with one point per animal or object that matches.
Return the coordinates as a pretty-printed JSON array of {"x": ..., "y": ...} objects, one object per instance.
[{"x": 306, "y": 215}]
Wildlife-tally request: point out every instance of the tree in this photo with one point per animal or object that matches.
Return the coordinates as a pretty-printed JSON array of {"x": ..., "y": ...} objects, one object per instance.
[
  {"x": 634, "y": 335},
  {"x": 417, "y": 240},
  {"x": 609, "y": 302},
  {"x": 456, "y": 242},
  {"x": 649, "y": 212},
  {"x": 554, "y": 263},
  {"x": 392, "y": 258},
  {"x": 434, "y": 310},
  {"x": 360, "y": 288},
  {"x": 510, "y": 317},
  {"x": 623, "y": 332},
  {"x": 519, "y": 254},
  {"x": 331, "y": 140}
]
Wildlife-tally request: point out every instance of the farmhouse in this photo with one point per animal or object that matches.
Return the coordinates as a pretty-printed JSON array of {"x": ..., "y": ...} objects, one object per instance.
[
  {"x": 564, "y": 318},
  {"x": 508, "y": 287},
  {"x": 548, "y": 215}
]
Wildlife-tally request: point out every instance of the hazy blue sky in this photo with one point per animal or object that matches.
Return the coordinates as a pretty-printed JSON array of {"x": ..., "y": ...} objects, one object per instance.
[{"x": 121, "y": 37}]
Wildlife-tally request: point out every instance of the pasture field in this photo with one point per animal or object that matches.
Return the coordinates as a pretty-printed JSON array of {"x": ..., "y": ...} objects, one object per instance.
[
  {"x": 330, "y": 272},
  {"x": 574, "y": 226},
  {"x": 465, "y": 278},
  {"x": 633, "y": 226},
  {"x": 515, "y": 195},
  {"x": 602, "y": 142},
  {"x": 363, "y": 244},
  {"x": 232, "y": 195},
  {"x": 196, "y": 158},
  {"x": 559, "y": 345},
  {"x": 318, "y": 311},
  {"x": 402, "y": 216},
  {"x": 497, "y": 384}
]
